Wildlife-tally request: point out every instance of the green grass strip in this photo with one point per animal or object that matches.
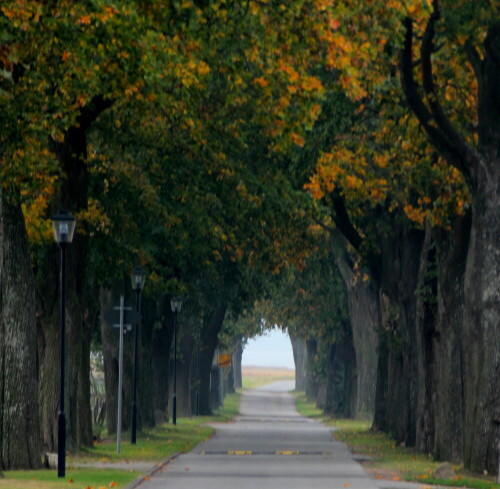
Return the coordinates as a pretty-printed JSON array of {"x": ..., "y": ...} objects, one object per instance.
[{"x": 387, "y": 460}]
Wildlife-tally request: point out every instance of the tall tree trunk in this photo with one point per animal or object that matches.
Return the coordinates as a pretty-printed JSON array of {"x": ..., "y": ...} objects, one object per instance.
[
  {"x": 185, "y": 347},
  {"x": 161, "y": 345},
  {"x": 300, "y": 359},
  {"x": 426, "y": 333},
  {"x": 145, "y": 397},
  {"x": 311, "y": 386},
  {"x": 109, "y": 339},
  {"x": 480, "y": 167},
  {"x": 84, "y": 408},
  {"x": 20, "y": 440},
  {"x": 341, "y": 376},
  {"x": 237, "y": 357},
  {"x": 400, "y": 269},
  {"x": 209, "y": 339},
  {"x": 482, "y": 323},
  {"x": 72, "y": 155},
  {"x": 449, "y": 343},
  {"x": 364, "y": 315}
]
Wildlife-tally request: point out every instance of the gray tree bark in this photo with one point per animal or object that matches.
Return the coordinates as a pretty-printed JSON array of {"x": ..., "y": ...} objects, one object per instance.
[
  {"x": 185, "y": 348},
  {"x": 237, "y": 357},
  {"x": 20, "y": 440},
  {"x": 311, "y": 384},
  {"x": 300, "y": 360},
  {"x": 364, "y": 315},
  {"x": 109, "y": 338},
  {"x": 479, "y": 164},
  {"x": 399, "y": 279},
  {"x": 209, "y": 335},
  {"x": 162, "y": 337}
]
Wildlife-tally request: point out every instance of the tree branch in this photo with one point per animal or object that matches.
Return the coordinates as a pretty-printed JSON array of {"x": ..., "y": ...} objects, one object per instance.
[
  {"x": 92, "y": 111},
  {"x": 436, "y": 135},
  {"x": 343, "y": 221},
  {"x": 467, "y": 155}
]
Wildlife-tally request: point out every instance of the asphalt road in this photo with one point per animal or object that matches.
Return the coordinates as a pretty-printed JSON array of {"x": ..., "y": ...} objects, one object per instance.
[{"x": 270, "y": 446}]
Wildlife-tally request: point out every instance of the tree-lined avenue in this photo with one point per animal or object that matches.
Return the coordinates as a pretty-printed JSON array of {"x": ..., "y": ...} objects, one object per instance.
[{"x": 270, "y": 445}]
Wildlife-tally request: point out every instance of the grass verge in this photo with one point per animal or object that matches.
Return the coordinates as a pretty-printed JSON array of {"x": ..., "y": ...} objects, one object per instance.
[
  {"x": 153, "y": 445},
  {"x": 386, "y": 459}
]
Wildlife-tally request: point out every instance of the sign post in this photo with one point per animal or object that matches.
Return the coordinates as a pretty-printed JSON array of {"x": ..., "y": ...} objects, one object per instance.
[
  {"x": 123, "y": 318},
  {"x": 120, "y": 378}
]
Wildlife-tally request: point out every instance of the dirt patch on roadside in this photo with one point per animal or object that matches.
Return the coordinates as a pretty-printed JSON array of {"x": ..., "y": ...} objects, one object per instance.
[{"x": 268, "y": 372}]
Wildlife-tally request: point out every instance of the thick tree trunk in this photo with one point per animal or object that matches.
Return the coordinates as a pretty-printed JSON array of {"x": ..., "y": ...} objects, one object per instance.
[
  {"x": 364, "y": 315},
  {"x": 71, "y": 154},
  {"x": 109, "y": 338},
  {"x": 400, "y": 269},
  {"x": 161, "y": 346},
  {"x": 300, "y": 360},
  {"x": 209, "y": 335},
  {"x": 480, "y": 167},
  {"x": 311, "y": 385},
  {"x": 185, "y": 347},
  {"x": 426, "y": 332},
  {"x": 237, "y": 357},
  {"x": 341, "y": 377},
  {"x": 481, "y": 338},
  {"x": 449, "y": 347},
  {"x": 20, "y": 440},
  {"x": 84, "y": 430},
  {"x": 145, "y": 402}
]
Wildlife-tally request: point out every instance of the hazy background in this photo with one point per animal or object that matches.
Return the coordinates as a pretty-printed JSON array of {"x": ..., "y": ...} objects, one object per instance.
[{"x": 273, "y": 349}]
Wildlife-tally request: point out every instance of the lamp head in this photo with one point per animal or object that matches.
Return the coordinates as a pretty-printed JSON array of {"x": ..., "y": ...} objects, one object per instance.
[
  {"x": 63, "y": 224},
  {"x": 176, "y": 304},
  {"x": 138, "y": 278}
]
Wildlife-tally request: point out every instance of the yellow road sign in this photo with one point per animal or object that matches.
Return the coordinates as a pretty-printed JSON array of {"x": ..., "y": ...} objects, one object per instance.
[{"x": 224, "y": 360}]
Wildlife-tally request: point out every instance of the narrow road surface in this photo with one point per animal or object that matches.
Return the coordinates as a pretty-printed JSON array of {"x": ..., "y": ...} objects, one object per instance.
[{"x": 270, "y": 446}]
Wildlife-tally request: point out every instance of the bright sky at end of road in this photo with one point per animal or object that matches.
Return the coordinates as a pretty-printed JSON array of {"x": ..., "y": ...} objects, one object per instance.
[{"x": 273, "y": 349}]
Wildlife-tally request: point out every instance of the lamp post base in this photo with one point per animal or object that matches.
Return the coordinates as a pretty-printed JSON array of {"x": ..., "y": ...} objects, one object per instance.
[
  {"x": 61, "y": 445},
  {"x": 174, "y": 410},
  {"x": 133, "y": 427}
]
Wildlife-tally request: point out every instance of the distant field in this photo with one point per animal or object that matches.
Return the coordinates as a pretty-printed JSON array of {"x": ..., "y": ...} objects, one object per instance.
[{"x": 257, "y": 376}]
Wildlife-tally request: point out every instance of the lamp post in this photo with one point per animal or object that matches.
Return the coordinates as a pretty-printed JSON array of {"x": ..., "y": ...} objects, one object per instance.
[
  {"x": 176, "y": 304},
  {"x": 138, "y": 277},
  {"x": 63, "y": 224}
]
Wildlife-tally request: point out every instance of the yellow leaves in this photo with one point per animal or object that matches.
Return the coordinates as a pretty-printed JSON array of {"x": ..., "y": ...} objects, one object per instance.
[
  {"x": 22, "y": 14},
  {"x": 297, "y": 139},
  {"x": 315, "y": 111},
  {"x": 95, "y": 217},
  {"x": 352, "y": 182},
  {"x": 260, "y": 81},
  {"x": 202, "y": 68},
  {"x": 311, "y": 83},
  {"x": 415, "y": 214},
  {"x": 381, "y": 159},
  {"x": 84, "y": 20},
  {"x": 291, "y": 72}
]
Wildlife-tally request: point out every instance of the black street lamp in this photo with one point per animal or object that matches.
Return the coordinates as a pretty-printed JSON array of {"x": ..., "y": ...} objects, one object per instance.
[
  {"x": 138, "y": 277},
  {"x": 176, "y": 304},
  {"x": 63, "y": 224}
]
